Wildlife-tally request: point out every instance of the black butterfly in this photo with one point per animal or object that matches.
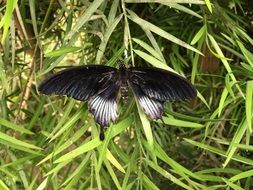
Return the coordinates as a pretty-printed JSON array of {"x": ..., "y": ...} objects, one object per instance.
[{"x": 100, "y": 86}]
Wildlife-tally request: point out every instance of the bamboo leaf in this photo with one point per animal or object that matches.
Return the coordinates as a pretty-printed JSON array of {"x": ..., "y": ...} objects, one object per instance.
[{"x": 147, "y": 25}]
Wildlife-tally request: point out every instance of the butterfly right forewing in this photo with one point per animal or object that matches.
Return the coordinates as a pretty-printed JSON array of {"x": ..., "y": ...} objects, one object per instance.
[
  {"x": 161, "y": 84},
  {"x": 152, "y": 86}
]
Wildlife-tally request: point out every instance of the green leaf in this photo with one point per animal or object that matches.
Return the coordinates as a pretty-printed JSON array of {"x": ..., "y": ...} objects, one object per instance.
[
  {"x": 58, "y": 130},
  {"x": 152, "y": 60},
  {"x": 198, "y": 35},
  {"x": 232, "y": 185},
  {"x": 62, "y": 51},
  {"x": 20, "y": 147},
  {"x": 224, "y": 61},
  {"x": 167, "y": 175},
  {"x": 6, "y": 19},
  {"x": 78, "y": 169},
  {"x": 14, "y": 141},
  {"x": 106, "y": 37},
  {"x": 248, "y": 104},
  {"x": 146, "y": 128},
  {"x": 65, "y": 145},
  {"x": 147, "y": 47},
  {"x": 103, "y": 148},
  {"x": 43, "y": 184},
  {"x": 116, "y": 129},
  {"x": 247, "y": 54},
  {"x": 113, "y": 175},
  {"x": 147, "y": 25},
  {"x": 149, "y": 183},
  {"x": 236, "y": 140},
  {"x": 114, "y": 161},
  {"x": 179, "y": 169},
  {"x": 3, "y": 186},
  {"x": 80, "y": 150},
  {"x": 220, "y": 152},
  {"x": 15, "y": 127},
  {"x": 222, "y": 100},
  {"x": 182, "y": 8},
  {"x": 209, "y": 5},
  {"x": 84, "y": 18},
  {"x": 241, "y": 175},
  {"x": 181, "y": 123}
]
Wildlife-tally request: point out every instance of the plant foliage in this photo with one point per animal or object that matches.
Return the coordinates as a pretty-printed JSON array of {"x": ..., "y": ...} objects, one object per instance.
[{"x": 53, "y": 143}]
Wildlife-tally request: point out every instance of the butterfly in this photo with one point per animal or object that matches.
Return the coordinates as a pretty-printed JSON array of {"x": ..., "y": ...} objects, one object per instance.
[{"x": 101, "y": 86}]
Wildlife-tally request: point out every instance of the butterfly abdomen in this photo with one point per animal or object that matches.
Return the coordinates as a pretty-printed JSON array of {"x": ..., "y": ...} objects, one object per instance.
[
  {"x": 124, "y": 91},
  {"x": 123, "y": 76}
]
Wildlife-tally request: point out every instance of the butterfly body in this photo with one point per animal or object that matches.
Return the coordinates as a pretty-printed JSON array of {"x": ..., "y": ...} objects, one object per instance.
[
  {"x": 123, "y": 77},
  {"x": 100, "y": 87}
]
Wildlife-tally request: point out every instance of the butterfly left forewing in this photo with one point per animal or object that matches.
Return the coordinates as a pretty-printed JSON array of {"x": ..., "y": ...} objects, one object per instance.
[{"x": 79, "y": 82}]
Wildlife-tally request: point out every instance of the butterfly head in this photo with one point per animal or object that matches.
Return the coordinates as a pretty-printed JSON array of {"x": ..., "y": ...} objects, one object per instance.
[{"x": 121, "y": 64}]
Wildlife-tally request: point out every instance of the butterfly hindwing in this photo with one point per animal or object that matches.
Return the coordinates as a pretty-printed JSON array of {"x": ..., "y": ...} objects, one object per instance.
[
  {"x": 152, "y": 107},
  {"x": 104, "y": 105}
]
